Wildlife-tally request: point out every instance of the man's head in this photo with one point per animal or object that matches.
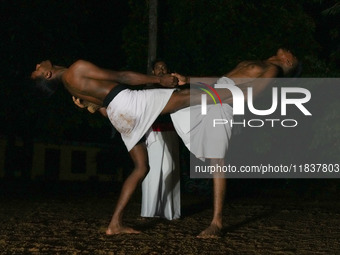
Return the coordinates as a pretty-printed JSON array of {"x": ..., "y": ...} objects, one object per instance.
[
  {"x": 42, "y": 70},
  {"x": 45, "y": 77},
  {"x": 288, "y": 62},
  {"x": 159, "y": 68}
]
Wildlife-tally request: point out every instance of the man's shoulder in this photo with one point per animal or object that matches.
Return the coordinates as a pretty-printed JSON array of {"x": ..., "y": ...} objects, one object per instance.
[
  {"x": 80, "y": 63},
  {"x": 77, "y": 70},
  {"x": 81, "y": 67}
]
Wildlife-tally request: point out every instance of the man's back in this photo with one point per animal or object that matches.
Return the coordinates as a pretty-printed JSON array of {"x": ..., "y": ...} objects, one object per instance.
[{"x": 89, "y": 82}]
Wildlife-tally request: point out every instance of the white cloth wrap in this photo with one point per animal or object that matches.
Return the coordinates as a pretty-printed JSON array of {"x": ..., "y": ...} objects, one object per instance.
[
  {"x": 161, "y": 187},
  {"x": 197, "y": 130},
  {"x": 132, "y": 112}
]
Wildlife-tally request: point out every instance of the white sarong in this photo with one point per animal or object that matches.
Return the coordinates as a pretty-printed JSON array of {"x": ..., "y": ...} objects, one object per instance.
[
  {"x": 198, "y": 132},
  {"x": 132, "y": 112},
  {"x": 161, "y": 187}
]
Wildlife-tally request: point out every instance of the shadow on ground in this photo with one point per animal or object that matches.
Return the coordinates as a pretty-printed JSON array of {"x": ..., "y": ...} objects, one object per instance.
[{"x": 71, "y": 219}]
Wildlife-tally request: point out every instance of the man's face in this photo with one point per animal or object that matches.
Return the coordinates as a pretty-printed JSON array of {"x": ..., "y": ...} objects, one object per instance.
[
  {"x": 42, "y": 69},
  {"x": 160, "y": 69},
  {"x": 287, "y": 58}
]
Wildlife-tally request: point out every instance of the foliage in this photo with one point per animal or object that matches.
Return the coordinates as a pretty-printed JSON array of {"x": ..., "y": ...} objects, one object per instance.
[
  {"x": 326, "y": 138},
  {"x": 209, "y": 37}
]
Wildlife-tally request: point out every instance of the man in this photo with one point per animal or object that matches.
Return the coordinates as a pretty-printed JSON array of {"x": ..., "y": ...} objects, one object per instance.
[
  {"x": 133, "y": 112},
  {"x": 161, "y": 186}
]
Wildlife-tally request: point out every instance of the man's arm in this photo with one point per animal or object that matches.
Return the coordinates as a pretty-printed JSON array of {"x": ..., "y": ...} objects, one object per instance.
[
  {"x": 258, "y": 83},
  {"x": 92, "y": 71}
]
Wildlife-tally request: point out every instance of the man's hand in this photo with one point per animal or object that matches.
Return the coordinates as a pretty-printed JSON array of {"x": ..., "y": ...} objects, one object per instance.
[
  {"x": 169, "y": 81},
  {"x": 77, "y": 102},
  {"x": 92, "y": 108},
  {"x": 182, "y": 80}
]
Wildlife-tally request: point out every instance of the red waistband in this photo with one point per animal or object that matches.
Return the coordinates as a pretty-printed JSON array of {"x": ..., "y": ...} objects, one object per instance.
[{"x": 163, "y": 127}]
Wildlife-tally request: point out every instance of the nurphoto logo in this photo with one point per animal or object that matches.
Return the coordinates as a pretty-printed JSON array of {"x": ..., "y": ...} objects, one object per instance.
[{"x": 295, "y": 96}]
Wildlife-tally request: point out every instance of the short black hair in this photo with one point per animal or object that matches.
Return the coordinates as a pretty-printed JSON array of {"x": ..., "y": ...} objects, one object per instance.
[
  {"x": 47, "y": 87},
  {"x": 153, "y": 63}
]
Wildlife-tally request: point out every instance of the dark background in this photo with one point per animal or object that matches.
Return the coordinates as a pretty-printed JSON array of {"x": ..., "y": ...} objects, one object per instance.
[{"x": 195, "y": 38}]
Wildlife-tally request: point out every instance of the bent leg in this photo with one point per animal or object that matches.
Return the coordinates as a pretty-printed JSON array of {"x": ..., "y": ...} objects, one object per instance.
[
  {"x": 140, "y": 159},
  {"x": 220, "y": 184}
]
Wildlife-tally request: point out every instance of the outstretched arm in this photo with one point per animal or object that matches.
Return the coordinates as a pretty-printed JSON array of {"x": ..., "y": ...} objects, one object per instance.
[
  {"x": 258, "y": 84},
  {"x": 90, "y": 70}
]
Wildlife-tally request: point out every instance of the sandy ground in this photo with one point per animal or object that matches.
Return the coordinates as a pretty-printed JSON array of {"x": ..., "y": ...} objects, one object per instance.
[{"x": 74, "y": 223}]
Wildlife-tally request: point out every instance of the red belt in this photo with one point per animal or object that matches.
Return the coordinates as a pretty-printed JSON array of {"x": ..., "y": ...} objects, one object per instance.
[{"x": 163, "y": 127}]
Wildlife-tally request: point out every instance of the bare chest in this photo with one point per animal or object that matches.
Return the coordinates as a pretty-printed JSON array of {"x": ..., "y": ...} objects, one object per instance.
[{"x": 247, "y": 69}]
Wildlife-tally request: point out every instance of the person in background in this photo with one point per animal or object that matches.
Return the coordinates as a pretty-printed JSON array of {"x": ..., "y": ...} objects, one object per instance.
[{"x": 161, "y": 186}]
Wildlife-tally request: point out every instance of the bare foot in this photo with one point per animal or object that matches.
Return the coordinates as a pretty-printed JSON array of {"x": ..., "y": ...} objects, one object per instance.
[
  {"x": 213, "y": 231},
  {"x": 121, "y": 230}
]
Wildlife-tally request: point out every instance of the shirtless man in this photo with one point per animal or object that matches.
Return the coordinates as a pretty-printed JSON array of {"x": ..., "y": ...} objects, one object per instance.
[{"x": 90, "y": 83}]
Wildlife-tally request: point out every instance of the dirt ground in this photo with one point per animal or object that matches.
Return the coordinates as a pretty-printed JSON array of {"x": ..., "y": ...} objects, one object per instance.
[{"x": 74, "y": 223}]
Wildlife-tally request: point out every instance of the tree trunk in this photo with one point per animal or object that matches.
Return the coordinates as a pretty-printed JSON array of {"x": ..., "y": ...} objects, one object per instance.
[{"x": 152, "y": 50}]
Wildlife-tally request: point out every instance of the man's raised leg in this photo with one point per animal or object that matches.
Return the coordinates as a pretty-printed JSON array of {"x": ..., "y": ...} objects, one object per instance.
[
  {"x": 190, "y": 97},
  {"x": 220, "y": 184},
  {"x": 140, "y": 158}
]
